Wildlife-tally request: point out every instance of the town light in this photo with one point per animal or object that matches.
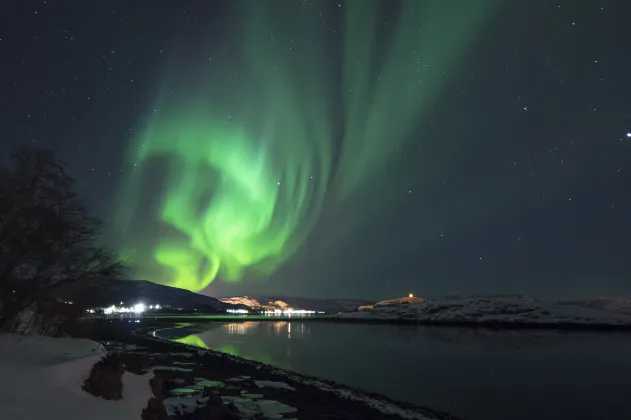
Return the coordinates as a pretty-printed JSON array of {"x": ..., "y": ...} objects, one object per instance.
[
  {"x": 237, "y": 311},
  {"x": 139, "y": 308}
]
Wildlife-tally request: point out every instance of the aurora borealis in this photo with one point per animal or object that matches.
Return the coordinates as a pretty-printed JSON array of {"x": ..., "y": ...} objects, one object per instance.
[
  {"x": 245, "y": 179},
  {"x": 315, "y": 148}
]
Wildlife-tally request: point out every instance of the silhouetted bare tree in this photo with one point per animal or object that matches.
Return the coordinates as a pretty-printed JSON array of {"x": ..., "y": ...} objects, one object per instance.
[{"x": 47, "y": 238}]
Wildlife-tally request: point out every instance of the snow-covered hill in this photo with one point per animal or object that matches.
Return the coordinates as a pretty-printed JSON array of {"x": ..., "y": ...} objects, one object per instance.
[
  {"x": 285, "y": 302},
  {"x": 513, "y": 310}
]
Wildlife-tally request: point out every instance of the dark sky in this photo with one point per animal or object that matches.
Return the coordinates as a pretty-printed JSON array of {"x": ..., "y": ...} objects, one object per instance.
[{"x": 510, "y": 174}]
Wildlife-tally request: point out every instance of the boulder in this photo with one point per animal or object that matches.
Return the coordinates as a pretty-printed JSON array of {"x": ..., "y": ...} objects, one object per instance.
[
  {"x": 105, "y": 379},
  {"x": 158, "y": 388},
  {"x": 155, "y": 411}
]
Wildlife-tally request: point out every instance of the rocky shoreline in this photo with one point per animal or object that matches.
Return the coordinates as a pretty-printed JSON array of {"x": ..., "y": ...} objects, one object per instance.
[{"x": 194, "y": 383}]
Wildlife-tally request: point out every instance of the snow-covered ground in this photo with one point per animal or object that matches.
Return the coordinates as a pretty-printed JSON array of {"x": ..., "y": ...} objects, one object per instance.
[
  {"x": 618, "y": 305},
  {"x": 506, "y": 310},
  {"x": 42, "y": 378}
]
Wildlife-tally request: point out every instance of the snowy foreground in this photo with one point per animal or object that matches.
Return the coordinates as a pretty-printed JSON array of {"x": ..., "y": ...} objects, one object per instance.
[
  {"x": 514, "y": 310},
  {"x": 42, "y": 378}
]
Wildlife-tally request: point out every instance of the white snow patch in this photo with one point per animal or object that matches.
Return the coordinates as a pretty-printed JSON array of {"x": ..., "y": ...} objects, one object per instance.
[
  {"x": 187, "y": 405},
  {"x": 172, "y": 368},
  {"x": 273, "y": 409},
  {"x": 269, "y": 409},
  {"x": 274, "y": 384},
  {"x": 133, "y": 347},
  {"x": 182, "y": 354},
  {"x": 43, "y": 378}
]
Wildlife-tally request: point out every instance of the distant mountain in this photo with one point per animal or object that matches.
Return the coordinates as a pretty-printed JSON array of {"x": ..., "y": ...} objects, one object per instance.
[
  {"x": 103, "y": 293},
  {"x": 285, "y": 302}
]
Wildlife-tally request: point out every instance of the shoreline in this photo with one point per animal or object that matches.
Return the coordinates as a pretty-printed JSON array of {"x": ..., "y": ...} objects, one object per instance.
[
  {"x": 490, "y": 325},
  {"x": 179, "y": 365}
]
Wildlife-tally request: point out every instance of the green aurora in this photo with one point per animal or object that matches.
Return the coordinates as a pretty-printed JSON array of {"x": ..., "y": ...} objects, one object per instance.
[{"x": 232, "y": 167}]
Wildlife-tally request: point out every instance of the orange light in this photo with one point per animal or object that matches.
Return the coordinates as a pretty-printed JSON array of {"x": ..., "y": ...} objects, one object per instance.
[{"x": 411, "y": 295}]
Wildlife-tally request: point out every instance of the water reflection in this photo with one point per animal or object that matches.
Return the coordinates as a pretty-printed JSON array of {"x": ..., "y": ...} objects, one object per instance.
[
  {"x": 278, "y": 327},
  {"x": 191, "y": 340},
  {"x": 286, "y": 329},
  {"x": 475, "y": 374},
  {"x": 239, "y": 328},
  {"x": 197, "y": 341}
]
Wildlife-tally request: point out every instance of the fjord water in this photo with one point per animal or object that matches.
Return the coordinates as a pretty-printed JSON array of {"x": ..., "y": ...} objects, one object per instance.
[{"x": 474, "y": 374}]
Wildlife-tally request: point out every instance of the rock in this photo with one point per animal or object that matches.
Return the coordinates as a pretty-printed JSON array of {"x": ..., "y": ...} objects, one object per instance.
[
  {"x": 215, "y": 412},
  {"x": 105, "y": 379},
  {"x": 213, "y": 397},
  {"x": 157, "y": 388},
  {"x": 155, "y": 411}
]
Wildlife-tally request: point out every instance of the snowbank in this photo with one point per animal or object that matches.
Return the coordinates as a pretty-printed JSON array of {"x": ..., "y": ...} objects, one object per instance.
[
  {"x": 500, "y": 310},
  {"x": 42, "y": 378}
]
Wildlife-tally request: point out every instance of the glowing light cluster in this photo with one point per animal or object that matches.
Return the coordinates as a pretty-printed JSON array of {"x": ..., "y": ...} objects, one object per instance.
[
  {"x": 138, "y": 308},
  {"x": 237, "y": 311},
  {"x": 291, "y": 312}
]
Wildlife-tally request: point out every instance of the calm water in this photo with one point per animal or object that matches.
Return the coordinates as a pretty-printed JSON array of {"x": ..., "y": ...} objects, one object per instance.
[{"x": 473, "y": 374}]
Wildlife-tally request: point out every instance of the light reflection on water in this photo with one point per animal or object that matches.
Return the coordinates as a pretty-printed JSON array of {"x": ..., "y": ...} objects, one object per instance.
[
  {"x": 474, "y": 374},
  {"x": 238, "y": 327}
]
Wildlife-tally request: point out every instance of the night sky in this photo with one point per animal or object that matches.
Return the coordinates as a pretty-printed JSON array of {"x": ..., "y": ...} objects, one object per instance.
[{"x": 338, "y": 149}]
